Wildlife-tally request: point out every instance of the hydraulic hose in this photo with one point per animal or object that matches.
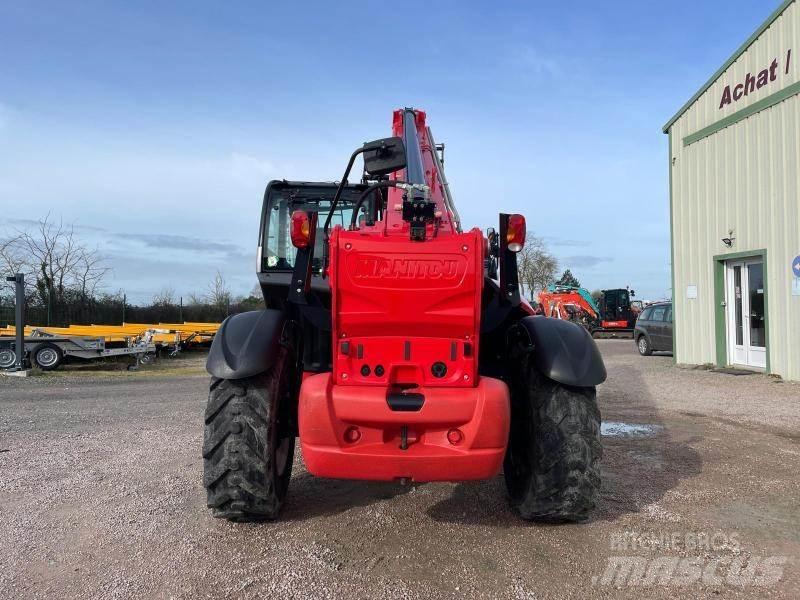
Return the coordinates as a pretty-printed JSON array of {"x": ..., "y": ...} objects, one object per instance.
[{"x": 371, "y": 189}]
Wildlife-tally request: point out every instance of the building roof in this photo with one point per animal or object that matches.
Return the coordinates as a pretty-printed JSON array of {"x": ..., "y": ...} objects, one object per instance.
[{"x": 742, "y": 49}]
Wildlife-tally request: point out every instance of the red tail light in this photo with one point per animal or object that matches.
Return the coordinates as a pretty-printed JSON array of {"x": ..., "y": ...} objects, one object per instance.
[
  {"x": 515, "y": 233},
  {"x": 301, "y": 229}
]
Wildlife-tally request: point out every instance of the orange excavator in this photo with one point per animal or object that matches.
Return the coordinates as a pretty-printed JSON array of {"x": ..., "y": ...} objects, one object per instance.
[{"x": 612, "y": 313}]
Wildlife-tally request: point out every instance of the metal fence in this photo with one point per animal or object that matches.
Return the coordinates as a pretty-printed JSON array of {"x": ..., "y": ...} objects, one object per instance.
[{"x": 97, "y": 313}]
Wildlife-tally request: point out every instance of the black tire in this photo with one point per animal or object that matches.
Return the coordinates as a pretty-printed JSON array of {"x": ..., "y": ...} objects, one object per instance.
[
  {"x": 644, "y": 346},
  {"x": 8, "y": 358},
  {"x": 552, "y": 465},
  {"x": 47, "y": 356},
  {"x": 248, "y": 446}
]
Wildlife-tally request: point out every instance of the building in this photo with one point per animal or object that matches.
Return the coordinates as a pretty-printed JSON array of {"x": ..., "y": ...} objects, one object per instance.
[{"x": 734, "y": 165}]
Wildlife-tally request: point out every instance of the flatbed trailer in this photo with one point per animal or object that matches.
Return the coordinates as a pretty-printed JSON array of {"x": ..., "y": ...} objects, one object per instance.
[{"x": 47, "y": 350}]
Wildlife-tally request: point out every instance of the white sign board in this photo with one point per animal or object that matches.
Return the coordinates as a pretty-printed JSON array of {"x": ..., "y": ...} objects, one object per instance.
[{"x": 691, "y": 292}]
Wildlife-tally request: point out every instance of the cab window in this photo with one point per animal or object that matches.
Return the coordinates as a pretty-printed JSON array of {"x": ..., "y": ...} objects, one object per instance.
[{"x": 278, "y": 253}]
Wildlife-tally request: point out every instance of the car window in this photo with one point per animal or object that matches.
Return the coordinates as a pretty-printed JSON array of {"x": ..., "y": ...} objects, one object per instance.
[
  {"x": 668, "y": 315},
  {"x": 658, "y": 313},
  {"x": 645, "y": 316}
]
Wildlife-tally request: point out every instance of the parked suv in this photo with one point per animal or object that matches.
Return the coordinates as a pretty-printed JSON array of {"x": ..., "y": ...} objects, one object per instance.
[{"x": 653, "y": 331}]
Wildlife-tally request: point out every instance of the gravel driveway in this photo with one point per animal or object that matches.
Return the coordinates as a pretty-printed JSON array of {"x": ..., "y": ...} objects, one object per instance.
[{"x": 101, "y": 497}]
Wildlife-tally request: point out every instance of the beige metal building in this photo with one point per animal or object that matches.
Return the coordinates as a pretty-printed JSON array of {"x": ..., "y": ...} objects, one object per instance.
[{"x": 734, "y": 165}]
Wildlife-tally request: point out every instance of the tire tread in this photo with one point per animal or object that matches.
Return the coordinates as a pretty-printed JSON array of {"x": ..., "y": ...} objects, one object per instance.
[
  {"x": 564, "y": 451},
  {"x": 237, "y": 449}
]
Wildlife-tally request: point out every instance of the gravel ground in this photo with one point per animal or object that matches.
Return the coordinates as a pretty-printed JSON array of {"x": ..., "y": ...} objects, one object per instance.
[{"x": 101, "y": 497}]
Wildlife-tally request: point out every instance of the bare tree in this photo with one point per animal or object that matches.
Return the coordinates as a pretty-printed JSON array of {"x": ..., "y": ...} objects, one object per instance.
[
  {"x": 89, "y": 272},
  {"x": 196, "y": 299},
  {"x": 218, "y": 293},
  {"x": 165, "y": 297},
  {"x": 537, "y": 267},
  {"x": 12, "y": 261},
  {"x": 53, "y": 260}
]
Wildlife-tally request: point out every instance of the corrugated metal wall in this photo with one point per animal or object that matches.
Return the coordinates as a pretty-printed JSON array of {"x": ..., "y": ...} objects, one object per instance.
[{"x": 745, "y": 177}]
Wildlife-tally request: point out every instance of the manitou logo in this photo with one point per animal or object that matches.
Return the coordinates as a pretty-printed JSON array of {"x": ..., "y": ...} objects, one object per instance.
[{"x": 394, "y": 268}]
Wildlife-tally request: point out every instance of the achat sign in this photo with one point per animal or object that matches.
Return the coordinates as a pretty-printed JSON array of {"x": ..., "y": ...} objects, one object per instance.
[{"x": 752, "y": 82}]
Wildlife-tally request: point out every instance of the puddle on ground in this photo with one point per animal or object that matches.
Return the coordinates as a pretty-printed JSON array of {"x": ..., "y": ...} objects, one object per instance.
[{"x": 620, "y": 429}]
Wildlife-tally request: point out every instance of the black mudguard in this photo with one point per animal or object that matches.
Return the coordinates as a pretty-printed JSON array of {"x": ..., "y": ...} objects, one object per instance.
[
  {"x": 564, "y": 351},
  {"x": 246, "y": 344}
]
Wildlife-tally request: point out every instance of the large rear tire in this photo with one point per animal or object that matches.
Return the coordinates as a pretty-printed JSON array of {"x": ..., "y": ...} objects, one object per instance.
[
  {"x": 248, "y": 445},
  {"x": 552, "y": 465}
]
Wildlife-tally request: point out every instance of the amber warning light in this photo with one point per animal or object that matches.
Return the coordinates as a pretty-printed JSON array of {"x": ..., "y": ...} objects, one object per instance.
[
  {"x": 301, "y": 229},
  {"x": 515, "y": 233}
]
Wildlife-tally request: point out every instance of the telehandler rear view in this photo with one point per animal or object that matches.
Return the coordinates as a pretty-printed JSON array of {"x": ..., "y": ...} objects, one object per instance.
[{"x": 389, "y": 351}]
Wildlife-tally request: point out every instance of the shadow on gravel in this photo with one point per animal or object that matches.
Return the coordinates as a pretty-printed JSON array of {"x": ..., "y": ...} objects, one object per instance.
[
  {"x": 636, "y": 470},
  {"x": 310, "y": 497}
]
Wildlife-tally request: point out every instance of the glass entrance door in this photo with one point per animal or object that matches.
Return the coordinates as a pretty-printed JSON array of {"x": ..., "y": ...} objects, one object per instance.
[{"x": 747, "y": 333}]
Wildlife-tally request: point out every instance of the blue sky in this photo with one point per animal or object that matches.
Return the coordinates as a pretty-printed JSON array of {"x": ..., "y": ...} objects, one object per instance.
[{"x": 154, "y": 127}]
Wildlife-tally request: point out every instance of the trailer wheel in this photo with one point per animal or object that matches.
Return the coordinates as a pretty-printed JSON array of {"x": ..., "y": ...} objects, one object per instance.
[
  {"x": 248, "y": 446},
  {"x": 8, "y": 358},
  {"x": 47, "y": 356},
  {"x": 552, "y": 465}
]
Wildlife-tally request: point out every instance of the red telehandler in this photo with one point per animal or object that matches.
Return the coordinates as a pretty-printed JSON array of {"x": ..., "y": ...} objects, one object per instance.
[{"x": 389, "y": 351}]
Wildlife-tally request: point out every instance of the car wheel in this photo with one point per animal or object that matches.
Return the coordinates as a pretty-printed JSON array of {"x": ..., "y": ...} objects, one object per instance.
[{"x": 644, "y": 346}]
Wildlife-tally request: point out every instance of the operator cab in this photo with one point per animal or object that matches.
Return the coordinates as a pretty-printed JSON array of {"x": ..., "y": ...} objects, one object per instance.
[{"x": 282, "y": 198}]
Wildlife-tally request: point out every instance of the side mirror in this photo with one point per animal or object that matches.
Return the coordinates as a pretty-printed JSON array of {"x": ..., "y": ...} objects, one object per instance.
[
  {"x": 494, "y": 242},
  {"x": 633, "y": 293},
  {"x": 385, "y": 156}
]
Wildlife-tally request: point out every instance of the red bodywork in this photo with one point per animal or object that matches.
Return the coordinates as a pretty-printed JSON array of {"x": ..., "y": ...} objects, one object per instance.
[{"x": 398, "y": 307}]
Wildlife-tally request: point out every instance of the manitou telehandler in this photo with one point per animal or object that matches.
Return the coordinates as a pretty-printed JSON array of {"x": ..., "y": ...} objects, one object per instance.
[{"x": 389, "y": 351}]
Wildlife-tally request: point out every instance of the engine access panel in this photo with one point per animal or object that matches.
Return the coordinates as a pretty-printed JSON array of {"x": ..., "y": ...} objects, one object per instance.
[{"x": 405, "y": 313}]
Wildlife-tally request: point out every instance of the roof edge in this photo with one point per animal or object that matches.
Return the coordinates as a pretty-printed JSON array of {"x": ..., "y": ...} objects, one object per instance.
[{"x": 742, "y": 49}]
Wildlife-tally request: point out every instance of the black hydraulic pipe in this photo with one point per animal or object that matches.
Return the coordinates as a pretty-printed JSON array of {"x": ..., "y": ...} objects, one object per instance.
[
  {"x": 373, "y": 188},
  {"x": 340, "y": 189},
  {"x": 415, "y": 172}
]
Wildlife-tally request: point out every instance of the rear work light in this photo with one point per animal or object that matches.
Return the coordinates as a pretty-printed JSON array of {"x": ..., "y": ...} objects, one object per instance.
[
  {"x": 301, "y": 229},
  {"x": 515, "y": 233}
]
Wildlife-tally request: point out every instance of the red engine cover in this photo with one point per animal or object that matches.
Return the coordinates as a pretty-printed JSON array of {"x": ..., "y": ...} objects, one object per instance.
[{"x": 400, "y": 306}]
